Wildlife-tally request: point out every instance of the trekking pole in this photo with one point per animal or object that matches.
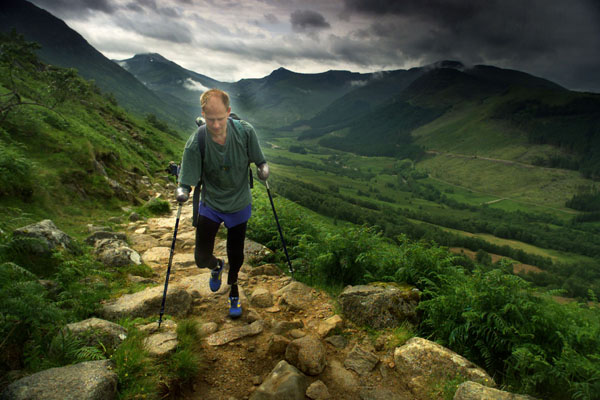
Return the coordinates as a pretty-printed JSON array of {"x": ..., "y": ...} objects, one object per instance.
[
  {"x": 280, "y": 233},
  {"x": 164, "y": 299}
]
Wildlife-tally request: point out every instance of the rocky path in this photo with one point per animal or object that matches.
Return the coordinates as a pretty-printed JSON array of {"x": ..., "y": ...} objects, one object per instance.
[
  {"x": 292, "y": 342},
  {"x": 234, "y": 368}
]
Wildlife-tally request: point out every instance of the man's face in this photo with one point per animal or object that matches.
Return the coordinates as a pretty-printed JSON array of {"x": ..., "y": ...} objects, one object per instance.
[{"x": 215, "y": 115}]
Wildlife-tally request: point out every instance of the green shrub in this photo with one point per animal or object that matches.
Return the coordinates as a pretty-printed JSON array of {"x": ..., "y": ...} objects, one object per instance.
[
  {"x": 156, "y": 206},
  {"x": 16, "y": 173}
]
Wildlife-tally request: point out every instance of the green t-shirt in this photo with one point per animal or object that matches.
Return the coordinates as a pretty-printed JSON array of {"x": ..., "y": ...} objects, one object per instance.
[{"x": 225, "y": 181}]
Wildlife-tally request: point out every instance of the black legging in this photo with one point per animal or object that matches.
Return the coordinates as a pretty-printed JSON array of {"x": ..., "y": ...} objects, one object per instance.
[{"x": 206, "y": 231}]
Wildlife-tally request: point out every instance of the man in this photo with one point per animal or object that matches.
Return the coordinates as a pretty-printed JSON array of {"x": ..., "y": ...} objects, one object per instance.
[{"x": 229, "y": 148}]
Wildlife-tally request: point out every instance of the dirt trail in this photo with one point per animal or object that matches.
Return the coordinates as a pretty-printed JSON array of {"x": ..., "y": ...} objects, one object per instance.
[{"x": 234, "y": 370}]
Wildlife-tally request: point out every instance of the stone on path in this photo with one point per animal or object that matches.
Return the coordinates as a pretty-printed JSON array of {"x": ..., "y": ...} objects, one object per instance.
[
  {"x": 92, "y": 380},
  {"x": 318, "y": 391},
  {"x": 284, "y": 382},
  {"x": 147, "y": 303},
  {"x": 307, "y": 354},
  {"x": 475, "y": 391},
  {"x": 229, "y": 335},
  {"x": 360, "y": 360},
  {"x": 420, "y": 361},
  {"x": 329, "y": 325}
]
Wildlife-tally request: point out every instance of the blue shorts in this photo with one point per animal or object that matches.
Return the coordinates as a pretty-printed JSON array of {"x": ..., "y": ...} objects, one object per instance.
[{"x": 230, "y": 219}]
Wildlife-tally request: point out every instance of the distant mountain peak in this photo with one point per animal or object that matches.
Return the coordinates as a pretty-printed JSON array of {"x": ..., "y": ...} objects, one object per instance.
[
  {"x": 150, "y": 57},
  {"x": 452, "y": 64}
]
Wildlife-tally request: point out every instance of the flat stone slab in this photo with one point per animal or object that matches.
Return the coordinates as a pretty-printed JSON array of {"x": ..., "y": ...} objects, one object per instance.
[
  {"x": 197, "y": 285},
  {"x": 147, "y": 303},
  {"x": 229, "y": 335},
  {"x": 156, "y": 256}
]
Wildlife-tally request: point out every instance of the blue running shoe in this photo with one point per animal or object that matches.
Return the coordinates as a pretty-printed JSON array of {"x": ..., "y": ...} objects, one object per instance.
[
  {"x": 215, "y": 276},
  {"x": 235, "y": 308}
]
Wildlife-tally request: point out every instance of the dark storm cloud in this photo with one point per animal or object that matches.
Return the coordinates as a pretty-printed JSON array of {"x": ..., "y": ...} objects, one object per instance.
[
  {"x": 308, "y": 20},
  {"x": 75, "y": 8},
  {"x": 547, "y": 38}
]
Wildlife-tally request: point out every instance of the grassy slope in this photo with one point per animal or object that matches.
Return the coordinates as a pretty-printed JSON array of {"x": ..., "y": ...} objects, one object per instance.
[{"x": 62, "y": 152}]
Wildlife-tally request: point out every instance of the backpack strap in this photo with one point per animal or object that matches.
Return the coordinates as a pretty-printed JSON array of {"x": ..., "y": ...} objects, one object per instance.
[{"x": 197, "y": 190}]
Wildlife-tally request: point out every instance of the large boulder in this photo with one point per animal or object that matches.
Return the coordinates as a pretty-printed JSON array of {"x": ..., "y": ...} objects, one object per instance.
[
  {"x": 420, "y": 362},
  {"x": 93, "y": 380},
  {"x": 379, "y": 305},
  {"x": 95, "y": 330},
  {"x": 307, "y": 354},
  {"x": 284, "y": 382},
  {"x": 51, "y": 237},
  {"x": 147, "y": 303},
  {"x": 475, "y": 391},
  {"x": 116, "y": 253}
]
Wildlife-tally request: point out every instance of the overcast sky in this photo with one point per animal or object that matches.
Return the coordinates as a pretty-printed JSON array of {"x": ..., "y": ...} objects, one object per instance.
[{"x": 233, "y": 39}]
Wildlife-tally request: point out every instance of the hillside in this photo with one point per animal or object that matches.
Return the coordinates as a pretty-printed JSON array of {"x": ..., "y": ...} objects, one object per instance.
[
  {"x": 67, "y": 149},
  {"x": 62, "y": 46}
]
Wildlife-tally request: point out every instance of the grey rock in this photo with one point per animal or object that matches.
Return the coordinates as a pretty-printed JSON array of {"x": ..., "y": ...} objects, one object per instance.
[
  {"x": 379, "y": 306},
  {"x": 208, "y": 328},
  {"x": 280, "y": 327},
  {"x": 360, "y": 360},
  {"x": 318, "y": 391},
  {"x": 307, "y": 354},
  {"x": 116, "y": 253},
  {"x": 475, "y": 391},
  {"x": 284, "y": 382},
  {"x": 51, "y": 237},
  {"x": 93, "y": 380},
  {"x": 96, "y": 330},
  {"x": 229, "y": 335},
  {"x": 147, "y": 303},
  {"x": 97, "y": 235}
]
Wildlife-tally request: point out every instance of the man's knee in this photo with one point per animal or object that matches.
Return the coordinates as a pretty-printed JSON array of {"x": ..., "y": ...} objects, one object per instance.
[{"x": 202, "y": 260}]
